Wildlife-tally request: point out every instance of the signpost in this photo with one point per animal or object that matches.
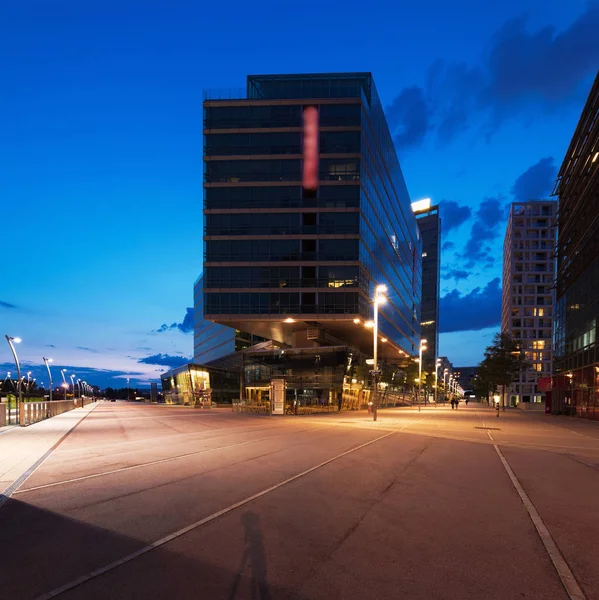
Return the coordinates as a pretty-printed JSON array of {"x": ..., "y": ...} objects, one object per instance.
[{"x": 277, "y": 396}]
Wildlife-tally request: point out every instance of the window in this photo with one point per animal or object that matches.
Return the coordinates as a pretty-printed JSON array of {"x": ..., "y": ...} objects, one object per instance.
[
  {"x": 308, "y": 246},
  {"x": 309, "y": 219}
]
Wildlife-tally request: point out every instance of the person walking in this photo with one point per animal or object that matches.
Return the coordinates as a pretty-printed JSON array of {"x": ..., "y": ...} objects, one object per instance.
[
  {"x": 452, "y": 404},
  {"x": 457, "y": 401}
]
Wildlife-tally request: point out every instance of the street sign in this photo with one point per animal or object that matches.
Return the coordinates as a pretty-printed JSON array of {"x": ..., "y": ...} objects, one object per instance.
[
  {"x": 375, "y": 372},
  {"x": 277, "y": 389}
]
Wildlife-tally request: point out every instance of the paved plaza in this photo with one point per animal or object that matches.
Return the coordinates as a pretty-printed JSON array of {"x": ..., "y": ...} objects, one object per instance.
[{"x": 119, "y": 500}]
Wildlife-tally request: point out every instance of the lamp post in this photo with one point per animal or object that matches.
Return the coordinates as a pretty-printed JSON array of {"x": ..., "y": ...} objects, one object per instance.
[
  {"x": 10, "y": 341},
  {"x": 379, "y": 298},
  {"x": 420, "y": 351},
  {"x": 72, "y": 378},
  {"x": 65, "y": 385},
  {"x": 47, "y": 361},
  {"x": 445, "y": 372},
  {"x": 127, "y": 389},
  {"x": 437, "y": 365}
]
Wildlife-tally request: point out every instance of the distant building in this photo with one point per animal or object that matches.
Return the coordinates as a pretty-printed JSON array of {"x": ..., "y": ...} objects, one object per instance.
[
  {"x": 527, "y": 294},
  {"x": 429, "y": 223},
  {"x": 576, "y": 356},
  {"x": 465, "y": 377}
]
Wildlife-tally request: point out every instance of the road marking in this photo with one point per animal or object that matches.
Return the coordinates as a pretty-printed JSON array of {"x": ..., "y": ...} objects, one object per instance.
[
  {"x": 561, "y": 566},
  {"x": 17, "y": 483},
  {"x": 117, "y": 563},
  {"x": 151, "y": 463}
]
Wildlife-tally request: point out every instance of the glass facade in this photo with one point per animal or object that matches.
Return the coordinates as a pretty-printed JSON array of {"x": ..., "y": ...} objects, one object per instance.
[
  {"x": 429, "y": 224},
  {"x": 576, "y": 355},
  {"x": 274, "y": 250},
  {"x": 210, "y": 340}
]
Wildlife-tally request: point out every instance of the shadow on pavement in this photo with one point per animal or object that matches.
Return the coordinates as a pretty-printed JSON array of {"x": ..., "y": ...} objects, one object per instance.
[{"x": 42, "y": 550}]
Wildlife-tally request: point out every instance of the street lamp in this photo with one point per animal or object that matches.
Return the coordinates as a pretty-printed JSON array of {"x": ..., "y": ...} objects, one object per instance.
[
  {"x": 421, "y": 350},
  {"x": 47, "y": 361},
  {"x": 65, "y": 385},
  {"x": 72, "y": 378},
  {"x": 10, "y": 341},
  {"x": 127, "y": 389},
  {"x": 437, "y": 365},
  {"x": 445, "y": 372},
  {"x": 379, "y": 298}
]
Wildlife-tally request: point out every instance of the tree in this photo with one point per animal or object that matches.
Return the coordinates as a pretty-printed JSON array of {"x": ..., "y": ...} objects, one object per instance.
[
  {"x": 503, "y": 360},
  {"x": 481, "y": 385}
]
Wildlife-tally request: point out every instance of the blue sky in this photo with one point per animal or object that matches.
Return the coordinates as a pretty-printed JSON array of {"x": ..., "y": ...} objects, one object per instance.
[{"x": 101, "y": 149}]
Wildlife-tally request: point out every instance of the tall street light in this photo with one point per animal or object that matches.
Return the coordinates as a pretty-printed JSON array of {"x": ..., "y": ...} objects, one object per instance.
[
  {"x": 437, "y": 365},
  {"x": 65, "y": 385},
  {"x": 47, "y": 361},
  {"x": 72, "y": 378},
  {"x": 127, "y": 389},
  {"x": 10, "y": 341},
  {"x": 379, "y": 298},
  {"x": 445, "y": 372},
  {"x": 421, "y": 350}
]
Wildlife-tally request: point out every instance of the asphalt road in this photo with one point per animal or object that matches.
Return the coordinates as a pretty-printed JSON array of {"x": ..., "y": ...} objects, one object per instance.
[{"x": 176, "y": 503}]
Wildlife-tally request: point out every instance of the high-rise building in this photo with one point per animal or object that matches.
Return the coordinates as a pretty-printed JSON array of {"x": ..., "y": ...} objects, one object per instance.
[
  {"x": 306, "y": 211},
  {"x": 429, "y": 224},
  {"x": 212, "y": 341},
  {"x": 527, "y": 294},
  {"x": 576, "y": 355}
]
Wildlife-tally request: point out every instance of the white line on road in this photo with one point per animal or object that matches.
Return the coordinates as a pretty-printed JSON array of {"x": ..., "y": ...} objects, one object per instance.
[
  {"x": 117, "y": 563},
  {"x": 561, "y": 566},
  {"x": 152, "y": 463},
  {"x": 12, "y": 489}
]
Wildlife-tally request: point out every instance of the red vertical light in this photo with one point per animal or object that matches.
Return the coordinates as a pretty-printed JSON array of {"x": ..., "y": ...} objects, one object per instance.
[{"x": 310, "y": 174}]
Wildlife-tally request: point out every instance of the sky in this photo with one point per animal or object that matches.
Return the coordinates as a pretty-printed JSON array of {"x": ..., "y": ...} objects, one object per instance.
[{"x": 101, "y": 151}]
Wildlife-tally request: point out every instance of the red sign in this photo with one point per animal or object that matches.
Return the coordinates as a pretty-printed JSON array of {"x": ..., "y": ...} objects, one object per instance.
[{"x": 310, "y": 174}]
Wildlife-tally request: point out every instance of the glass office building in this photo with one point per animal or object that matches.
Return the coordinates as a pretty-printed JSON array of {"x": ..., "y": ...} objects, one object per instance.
[
  {"x": 429, "y": 223},
  {"x": 212, "y": 341},
  {"x": 306, "y": 211},
  {"x": 575, "y": 388}
]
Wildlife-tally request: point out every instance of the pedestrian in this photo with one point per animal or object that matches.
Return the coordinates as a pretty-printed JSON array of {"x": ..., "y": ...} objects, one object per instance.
[
  {"x": 457, "y": 401},
  {"x": 466, "y": 401},
  {"x": 452, "y": 404}
]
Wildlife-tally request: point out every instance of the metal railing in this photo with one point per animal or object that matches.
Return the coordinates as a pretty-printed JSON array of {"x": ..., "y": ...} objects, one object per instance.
[{"x": 34, "y": 412}]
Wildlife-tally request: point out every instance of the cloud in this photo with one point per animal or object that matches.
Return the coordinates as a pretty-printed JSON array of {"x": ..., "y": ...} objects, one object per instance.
[
  {"x": 186, "y": 326},
  {"x": 536, "y": 182},
  {"x": 486, "y": 227},
  {"x": 524, "y": 73},
  {"x": 479, "y": 309},
  {"x": 50, "y": 346},
  {"x": 447, "y": 246},
  {"x": 453, "y": 214},
  {"x": 87, "y": 349},
  {"x": 6, "y": 304},
  {"x": 543, "y": 67},
  {"x": 408, "y": 117},
  {"x": 456, "y": 274},
  {"x": 165, "y": 360}
]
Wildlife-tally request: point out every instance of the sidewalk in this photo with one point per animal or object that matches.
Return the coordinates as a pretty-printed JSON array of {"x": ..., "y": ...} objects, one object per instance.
[{"x": 21, "y": 448}]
